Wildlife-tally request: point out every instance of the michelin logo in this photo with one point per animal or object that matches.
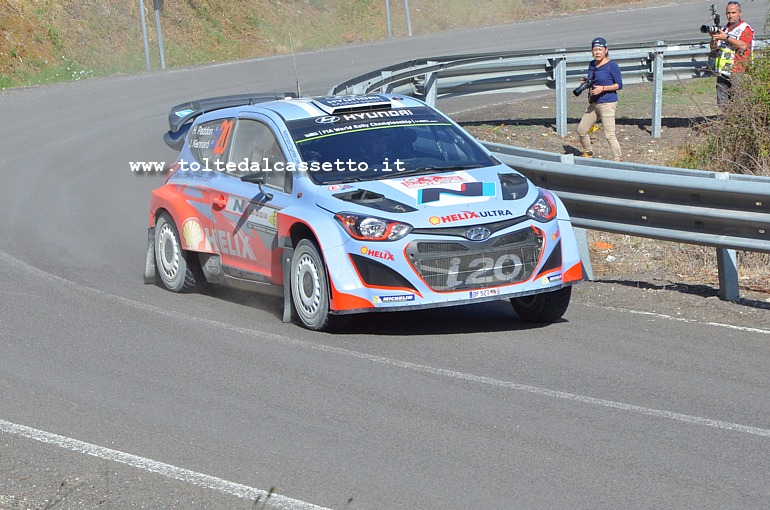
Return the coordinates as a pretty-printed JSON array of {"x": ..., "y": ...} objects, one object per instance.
[{"x": 393, "y": 299}]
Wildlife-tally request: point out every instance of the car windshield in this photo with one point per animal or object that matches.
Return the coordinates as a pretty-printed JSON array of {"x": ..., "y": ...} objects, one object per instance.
[{"x": 383, "y": 144}]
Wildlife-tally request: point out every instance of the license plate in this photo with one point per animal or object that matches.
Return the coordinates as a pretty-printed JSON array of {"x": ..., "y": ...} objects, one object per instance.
[{"x": 481, "y": 293}]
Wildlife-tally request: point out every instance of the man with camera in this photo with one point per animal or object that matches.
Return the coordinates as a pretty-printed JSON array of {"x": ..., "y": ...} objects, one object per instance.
[
  {"x": 732, "y": 48},
  {"x": 603, "y": 83}
]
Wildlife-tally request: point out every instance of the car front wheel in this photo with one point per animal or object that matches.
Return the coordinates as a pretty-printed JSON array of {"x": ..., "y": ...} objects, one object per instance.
[
  {"x": 543, "y": 308},
  {"x": 309, "y": 288}
]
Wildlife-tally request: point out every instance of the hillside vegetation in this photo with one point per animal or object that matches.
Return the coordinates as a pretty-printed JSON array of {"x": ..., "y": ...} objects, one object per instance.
[{"x": 43, "y": 41}]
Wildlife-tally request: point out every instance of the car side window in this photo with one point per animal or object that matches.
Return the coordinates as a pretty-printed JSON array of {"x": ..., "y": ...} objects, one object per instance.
[
  {"x": 256, "y": 148},
  {"x": 209, "y": 141}
]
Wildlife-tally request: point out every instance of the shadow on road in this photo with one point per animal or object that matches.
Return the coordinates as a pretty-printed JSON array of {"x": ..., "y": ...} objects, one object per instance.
[{"x": 704, "y": 291}]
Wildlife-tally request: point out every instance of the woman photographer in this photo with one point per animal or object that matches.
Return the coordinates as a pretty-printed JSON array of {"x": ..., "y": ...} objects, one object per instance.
[{"x": 602, "y": 99}]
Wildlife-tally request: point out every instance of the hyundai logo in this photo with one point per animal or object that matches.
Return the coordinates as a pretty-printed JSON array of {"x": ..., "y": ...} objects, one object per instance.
[
  {"x": 328, "y": 119},
  {"x": 477, "y": 233}
]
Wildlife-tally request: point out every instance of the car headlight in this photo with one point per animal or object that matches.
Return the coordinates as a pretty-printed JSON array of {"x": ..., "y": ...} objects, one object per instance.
[
  {"x": 544, "y": 208},
  {"x": 370, "y": 228}
]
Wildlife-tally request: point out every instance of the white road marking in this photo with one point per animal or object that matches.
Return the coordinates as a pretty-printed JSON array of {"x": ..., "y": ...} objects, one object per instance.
[
  {"x": 237, "y": 489},
  {"x": 152, "y": 466},
  {"x": 682, "y": 319}
]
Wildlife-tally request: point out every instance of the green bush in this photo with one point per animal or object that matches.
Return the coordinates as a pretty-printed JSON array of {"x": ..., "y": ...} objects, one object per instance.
[{"x": 738, "y": 141}]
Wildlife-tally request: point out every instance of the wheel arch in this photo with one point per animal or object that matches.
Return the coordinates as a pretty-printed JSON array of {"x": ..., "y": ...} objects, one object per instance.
[
  {"x": 160, "y": 210},
  {"x": 296, "y": 233},
  {"x": 300, "y": 231}
]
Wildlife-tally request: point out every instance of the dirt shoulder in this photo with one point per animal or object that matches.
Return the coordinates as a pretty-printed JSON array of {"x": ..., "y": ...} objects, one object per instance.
[{"x": 632, "y": 273}]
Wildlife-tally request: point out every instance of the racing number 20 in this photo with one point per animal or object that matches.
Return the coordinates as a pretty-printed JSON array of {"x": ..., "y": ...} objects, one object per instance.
[
  {"x": 485, "y": 270},
  {"x": 224, "y": 136}
]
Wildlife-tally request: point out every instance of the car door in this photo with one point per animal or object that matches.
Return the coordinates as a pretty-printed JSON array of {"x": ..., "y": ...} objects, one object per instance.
[
  {"x": 208, "y": 143},
  {"x": 245, "y": 213}
]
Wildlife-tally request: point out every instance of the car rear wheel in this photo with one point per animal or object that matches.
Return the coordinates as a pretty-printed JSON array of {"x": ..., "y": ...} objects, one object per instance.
[
  {"x": 543, "y": 308},
  {"x": 176, "y": 267}
]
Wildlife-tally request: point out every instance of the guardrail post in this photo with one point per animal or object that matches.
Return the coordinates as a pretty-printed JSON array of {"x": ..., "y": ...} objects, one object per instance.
[
  {"x": 431, "y": 85},
  {"x": 727, "y": 264},
  {"x": 728, "y": 275},
  {"x": 657, "y": 88},
  {"x": 388, "y": 87},
  {"x": 581, "y": 234},
  {"x": 560, "y": 80}
]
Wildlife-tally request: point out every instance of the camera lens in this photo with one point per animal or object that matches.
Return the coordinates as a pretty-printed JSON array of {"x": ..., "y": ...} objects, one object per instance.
[{"x": 580, "y": 88}]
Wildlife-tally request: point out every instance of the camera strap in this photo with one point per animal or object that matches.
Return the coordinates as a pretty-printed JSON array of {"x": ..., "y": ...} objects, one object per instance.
[{"x": 592, "y": 98}]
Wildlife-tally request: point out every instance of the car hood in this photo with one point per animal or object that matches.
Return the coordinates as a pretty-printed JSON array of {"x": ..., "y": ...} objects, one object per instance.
[{"x": 471, "y": 196}]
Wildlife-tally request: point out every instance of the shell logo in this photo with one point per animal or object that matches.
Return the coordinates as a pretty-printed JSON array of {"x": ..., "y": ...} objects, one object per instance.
[
  {"x": 434, "y": 220},
  {"x": 192, "y": 233},
  {"x": 364, "y": 250}
]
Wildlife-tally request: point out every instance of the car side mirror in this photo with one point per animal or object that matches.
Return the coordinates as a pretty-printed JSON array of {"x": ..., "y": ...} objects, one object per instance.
[
  {"x": 259, "y": 179},
  {"x": 254, "y": 178}
]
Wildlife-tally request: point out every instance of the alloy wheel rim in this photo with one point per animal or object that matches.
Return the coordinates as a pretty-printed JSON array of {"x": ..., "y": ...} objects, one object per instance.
[
  {"x": 308, "y": 286},
  {"x": 168, "y": 252}
]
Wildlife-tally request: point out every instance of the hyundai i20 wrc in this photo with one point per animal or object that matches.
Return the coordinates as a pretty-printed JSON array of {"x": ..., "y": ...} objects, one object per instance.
[{"x": 353, "y": 204}]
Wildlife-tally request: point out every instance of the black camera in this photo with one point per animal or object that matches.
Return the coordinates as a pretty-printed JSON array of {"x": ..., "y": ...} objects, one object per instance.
[
  {"x": 705, "y": 29},
  {"x": 587, "y": 84}
]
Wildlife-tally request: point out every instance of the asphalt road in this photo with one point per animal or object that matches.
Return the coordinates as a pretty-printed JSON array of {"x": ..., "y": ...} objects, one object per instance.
[{"x": 114, "y": 394}]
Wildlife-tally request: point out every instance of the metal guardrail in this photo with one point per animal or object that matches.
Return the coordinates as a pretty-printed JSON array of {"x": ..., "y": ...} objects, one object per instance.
[
  {"x": 539, "y": 70},
  {"x": 728, "y": 211}
]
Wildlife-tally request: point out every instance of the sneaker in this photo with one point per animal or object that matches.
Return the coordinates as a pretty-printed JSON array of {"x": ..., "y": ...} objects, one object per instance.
[{"x": 588, "y": 154}]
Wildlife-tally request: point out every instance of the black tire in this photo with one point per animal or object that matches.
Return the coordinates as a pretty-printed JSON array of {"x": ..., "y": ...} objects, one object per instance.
[
  {"x": 178, "y": 269},
  {"x": 543, "y": 308},
  {"x": 309, "y": 287}
]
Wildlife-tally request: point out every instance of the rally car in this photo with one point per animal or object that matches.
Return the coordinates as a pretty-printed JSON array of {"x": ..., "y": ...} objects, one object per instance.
[{"x": 353, "y": 204}]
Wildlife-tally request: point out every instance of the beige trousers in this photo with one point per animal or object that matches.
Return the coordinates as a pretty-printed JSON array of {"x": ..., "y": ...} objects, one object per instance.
[{"x": 605, "y": 112}]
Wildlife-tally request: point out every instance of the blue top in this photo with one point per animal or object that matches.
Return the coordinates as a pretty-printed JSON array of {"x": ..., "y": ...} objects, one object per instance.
[{"x": 606, "y": 74}]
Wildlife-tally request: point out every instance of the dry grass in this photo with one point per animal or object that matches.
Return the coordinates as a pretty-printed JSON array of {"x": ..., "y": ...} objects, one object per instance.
[{"x": 55, "y": 40}]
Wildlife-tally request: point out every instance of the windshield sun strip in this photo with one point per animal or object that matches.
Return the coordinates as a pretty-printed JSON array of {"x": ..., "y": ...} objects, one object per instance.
[{"x": 347, "y": 132}]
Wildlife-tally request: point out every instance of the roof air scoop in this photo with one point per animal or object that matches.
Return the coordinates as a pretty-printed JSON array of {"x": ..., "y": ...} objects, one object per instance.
[{"x": 348, "y": 104}]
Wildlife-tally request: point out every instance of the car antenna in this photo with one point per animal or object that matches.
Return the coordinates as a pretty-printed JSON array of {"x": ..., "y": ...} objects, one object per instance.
[{"x": 294, "y": 59}]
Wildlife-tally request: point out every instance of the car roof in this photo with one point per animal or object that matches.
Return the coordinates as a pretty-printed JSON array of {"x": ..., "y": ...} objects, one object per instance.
[{"x": 288, "y": 108}]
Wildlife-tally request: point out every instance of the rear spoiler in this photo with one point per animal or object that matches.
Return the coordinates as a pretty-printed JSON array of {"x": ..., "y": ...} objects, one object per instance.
[{"x": 181, "y": 116}]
